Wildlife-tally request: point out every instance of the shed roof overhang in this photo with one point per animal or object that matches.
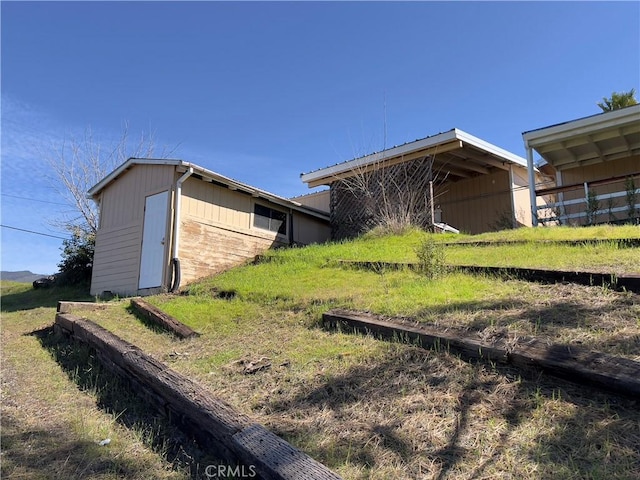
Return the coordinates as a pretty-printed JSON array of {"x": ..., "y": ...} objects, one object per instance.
[
  {"x": 207, "y": 176},
  {"x": 456, "y": 154},
  {"x": 586, "y": 141}
]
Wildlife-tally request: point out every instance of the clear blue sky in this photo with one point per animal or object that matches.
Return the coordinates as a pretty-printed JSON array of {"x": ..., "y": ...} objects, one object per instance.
[{"x": 262, "y": 92}]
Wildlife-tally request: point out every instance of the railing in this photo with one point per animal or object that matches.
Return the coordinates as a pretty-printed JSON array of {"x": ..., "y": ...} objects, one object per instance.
[{"x": 620, "y": 202}]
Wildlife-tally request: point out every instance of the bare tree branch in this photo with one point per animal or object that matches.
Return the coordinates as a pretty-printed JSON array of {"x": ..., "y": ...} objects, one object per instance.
[
  {"x": 377, "y": 194},
  {"x": 80, "y": 163}
]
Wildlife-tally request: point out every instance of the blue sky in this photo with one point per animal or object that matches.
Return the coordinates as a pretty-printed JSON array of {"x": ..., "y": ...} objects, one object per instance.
[{"x": 262, "y": 92}]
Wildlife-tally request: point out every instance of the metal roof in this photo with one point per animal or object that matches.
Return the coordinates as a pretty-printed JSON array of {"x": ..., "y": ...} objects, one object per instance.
[
  {"x": 458, "y": 153},
  {"x": 598, "y": 138},
  {"x": 206, "y": 175}
]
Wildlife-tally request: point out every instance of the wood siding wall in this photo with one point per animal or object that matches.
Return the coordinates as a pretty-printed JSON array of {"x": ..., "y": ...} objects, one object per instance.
[
  {"x": 319, "y": 200},
  {"x": 207, "y": 248},
  {"x": 521, "y": 199},
  {"x": 308, "y": 230},
  {"x": 119, "y": 238},
  {"x": 217, "y": 230},
  {"x": 478, "y": 204}
]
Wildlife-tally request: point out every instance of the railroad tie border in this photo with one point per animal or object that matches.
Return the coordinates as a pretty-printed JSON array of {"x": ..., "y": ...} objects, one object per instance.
[
  {"x": 232, "y": 435},
  {"x": 573, "y": 363}
]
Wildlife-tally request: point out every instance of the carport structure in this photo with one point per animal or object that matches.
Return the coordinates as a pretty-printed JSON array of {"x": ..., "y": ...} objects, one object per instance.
[
  {"x": 479, "y": 186},
  {"x": 596, "y": 161}
]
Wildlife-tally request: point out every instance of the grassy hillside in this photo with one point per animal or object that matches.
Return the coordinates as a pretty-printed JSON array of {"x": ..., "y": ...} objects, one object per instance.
[{"x": 367, "y": 408}]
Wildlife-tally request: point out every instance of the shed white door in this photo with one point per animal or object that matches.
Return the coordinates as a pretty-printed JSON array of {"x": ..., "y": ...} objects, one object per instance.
[{"x": 153, "y": 239}]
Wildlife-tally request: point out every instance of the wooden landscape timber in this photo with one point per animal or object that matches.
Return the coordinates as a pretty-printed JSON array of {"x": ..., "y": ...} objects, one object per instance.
[
  {"x": 619, "y": 242},
  {"x": 68, "y": 307},
  {"x": 629, "y": 283},
  {"x": 574, "y": 363},
  {"x": 158, "y": 317},
  {"x": 232, "y": 436}
]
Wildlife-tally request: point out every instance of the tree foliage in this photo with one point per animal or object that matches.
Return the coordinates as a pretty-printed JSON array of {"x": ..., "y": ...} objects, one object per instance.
[
  {"x": 618, "y": 100},
  {"x": 77, "y": 259}
]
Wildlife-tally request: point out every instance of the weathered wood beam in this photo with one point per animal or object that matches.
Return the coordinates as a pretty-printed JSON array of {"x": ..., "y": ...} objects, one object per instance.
[
  {"x": 573, "y": 363},
  {"x": 164, "y": 320},
  {"x": 616, "y": 282},
  {"x": 68, "y": 307},
  {"x": 231, "y": 435}
]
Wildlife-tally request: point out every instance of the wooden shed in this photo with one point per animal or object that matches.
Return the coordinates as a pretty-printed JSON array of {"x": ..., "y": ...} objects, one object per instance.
[
  {"x": 477, "y": 186},
  {"x": 165, "y": 223},
  {"x": 596, "y": 162}
]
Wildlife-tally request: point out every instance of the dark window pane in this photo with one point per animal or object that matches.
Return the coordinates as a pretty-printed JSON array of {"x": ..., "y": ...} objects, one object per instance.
[
  {"x": 278, "y": 226},
  {"x": 269, "y": 219},
  {"x": 261, "y": 210},
  {"x": 261, "y": 222}
]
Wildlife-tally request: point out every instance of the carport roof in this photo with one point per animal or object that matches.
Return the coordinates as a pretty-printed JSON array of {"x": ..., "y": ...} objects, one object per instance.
[
  {"x": 589, "y": 140},
  {"x": 455, "y": 152}
]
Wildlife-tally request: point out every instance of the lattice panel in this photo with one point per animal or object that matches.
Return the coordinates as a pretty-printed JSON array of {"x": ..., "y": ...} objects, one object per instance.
[{"x": 399, "y": 193}]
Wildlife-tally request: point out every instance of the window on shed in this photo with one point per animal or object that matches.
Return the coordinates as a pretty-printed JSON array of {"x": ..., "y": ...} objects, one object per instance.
[{"x": 269, "y": 219}]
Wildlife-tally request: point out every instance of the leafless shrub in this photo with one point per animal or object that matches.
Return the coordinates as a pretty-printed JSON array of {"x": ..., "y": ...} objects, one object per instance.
[{"x": 381, "y": 196}]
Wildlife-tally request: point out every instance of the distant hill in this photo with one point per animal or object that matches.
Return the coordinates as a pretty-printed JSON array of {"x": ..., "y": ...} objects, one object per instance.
[{"x": 24, "y": 276}]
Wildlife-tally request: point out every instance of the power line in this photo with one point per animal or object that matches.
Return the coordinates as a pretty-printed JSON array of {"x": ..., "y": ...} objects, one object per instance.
[
  {"x": 35, "y": 233},
  {"x": 34, "y": 200}
]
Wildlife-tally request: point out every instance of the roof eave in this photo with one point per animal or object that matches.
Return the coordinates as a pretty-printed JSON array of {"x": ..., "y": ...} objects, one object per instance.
[
  {"x": 582, "y": 126},
  {"x": 229, "y": 182},
  {"x": 441, "y": 139},
  {"x": 130, "y": 162}
]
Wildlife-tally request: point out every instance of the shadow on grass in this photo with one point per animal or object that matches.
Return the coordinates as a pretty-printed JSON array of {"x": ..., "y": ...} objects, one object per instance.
[
  {"x": 49, "y": 454},
  {"x": 116, "y": 397},
  {"x": 562, "y": 312},
  {"x": 153, "y": 326},
  {"x": 421, "y": 414},
  {"x": 28, "y": 298}
]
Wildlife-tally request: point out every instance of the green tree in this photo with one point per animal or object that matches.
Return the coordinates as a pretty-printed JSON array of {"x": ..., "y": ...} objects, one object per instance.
[
  {"x": 618, "y": 100},
  {"x": 77, "y": 259}
]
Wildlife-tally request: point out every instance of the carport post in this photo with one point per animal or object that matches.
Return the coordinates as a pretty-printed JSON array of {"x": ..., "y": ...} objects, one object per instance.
[{"x": 532, "y": 186}]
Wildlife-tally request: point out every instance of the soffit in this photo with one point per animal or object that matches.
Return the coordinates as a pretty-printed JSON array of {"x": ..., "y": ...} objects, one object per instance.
[{"x": 587, "y": 141}]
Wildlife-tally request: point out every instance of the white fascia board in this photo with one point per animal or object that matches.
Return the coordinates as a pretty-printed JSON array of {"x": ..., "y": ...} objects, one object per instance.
[
  {"x": 93, "y": 191},
  {"x": 394, "y": 152},
  {"x": 582, "y": 126},
  {"x": 490, "y": 148},
  {"x": 257, "y": 192},
  {"x": 233, "y": 184},
  {"x": 429, "y": 142}
]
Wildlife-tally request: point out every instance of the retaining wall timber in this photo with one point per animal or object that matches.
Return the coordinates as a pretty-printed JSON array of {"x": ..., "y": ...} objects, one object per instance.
[
  {"x": 68, "y": 307},
  {"x": 573, "y": 363},
  {"x": 619, "y": 242},
  {"x": 158, "y": 317},
  {"x": 232, "y": 436},
  {"x": 630, "y": 283}
]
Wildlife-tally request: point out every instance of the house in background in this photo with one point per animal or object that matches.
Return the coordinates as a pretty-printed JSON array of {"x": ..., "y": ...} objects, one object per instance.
[
  {"x": 168, "y": 222},
  {"x": 596, "y": 164},
  {"x": 477, "y": 186}
]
